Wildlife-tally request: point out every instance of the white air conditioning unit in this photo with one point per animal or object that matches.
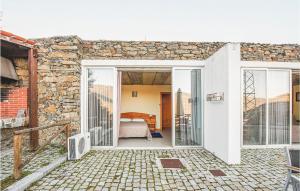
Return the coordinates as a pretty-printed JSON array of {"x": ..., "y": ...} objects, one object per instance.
[{"x": 78, "y": 145}]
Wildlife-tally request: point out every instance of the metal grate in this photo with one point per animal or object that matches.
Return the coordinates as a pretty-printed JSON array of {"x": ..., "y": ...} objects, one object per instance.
[
  {"x": 217, "y": 172},
  {"x": 171, "y": 163}
]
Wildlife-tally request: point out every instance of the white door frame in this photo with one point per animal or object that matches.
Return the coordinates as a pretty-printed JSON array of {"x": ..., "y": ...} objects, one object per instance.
[
  {"x": 173, "y": 107},
  {"x": 123, "y": 65},
  {"x": 84, "y": 102}
]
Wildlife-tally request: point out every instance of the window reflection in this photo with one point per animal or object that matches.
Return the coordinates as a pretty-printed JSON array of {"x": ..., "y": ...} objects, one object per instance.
[
  {"x": 100, "y": 106},
  {"x": 279, "y": 107},
  {"x": 188, "y": 113},
  {"x": 254, "y": 107},
  {"x": 295, "y": 107},
  {"x": 256, "y": 95}
]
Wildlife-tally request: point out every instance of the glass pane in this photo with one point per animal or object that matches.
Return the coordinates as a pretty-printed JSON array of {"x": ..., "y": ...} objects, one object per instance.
[
  {"x": 279, "y": 107},
  {"x": 254, "y": 107},
  {"x": 188, "y": 107},
  {"x": 296, "y": 106},
  {"x": 100, "y": 106}
]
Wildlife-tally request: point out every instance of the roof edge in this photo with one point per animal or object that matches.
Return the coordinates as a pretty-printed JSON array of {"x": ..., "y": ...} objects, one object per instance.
[{"x": 13, "y": 38}]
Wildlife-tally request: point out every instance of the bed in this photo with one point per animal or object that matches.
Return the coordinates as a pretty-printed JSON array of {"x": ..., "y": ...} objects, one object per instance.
[{"x": 133, "y": 124}]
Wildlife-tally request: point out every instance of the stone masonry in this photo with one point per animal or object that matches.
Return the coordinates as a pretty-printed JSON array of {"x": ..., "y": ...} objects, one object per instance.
[
  {"x": 13, "y": 98},
  {"x": 58, "y": 80},
  {"x": 59, "y": 66},
  {"x": 150, "y": 50},
  {"x": 270, "y": 52},
  {"x": 146, "y": 50}
]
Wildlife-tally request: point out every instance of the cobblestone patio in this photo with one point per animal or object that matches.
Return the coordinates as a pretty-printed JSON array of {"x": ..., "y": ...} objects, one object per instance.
[
  {"x": 42, "y": 159},
  {"x": 261, "y": 169}
]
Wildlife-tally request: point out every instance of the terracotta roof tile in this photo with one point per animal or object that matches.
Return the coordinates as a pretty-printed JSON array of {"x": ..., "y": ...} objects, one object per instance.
[{"x": 14, "y": 37}]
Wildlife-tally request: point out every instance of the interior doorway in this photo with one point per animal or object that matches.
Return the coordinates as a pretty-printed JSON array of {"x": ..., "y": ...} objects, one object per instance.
[
  {"x": 145, "y": 118},
  {"x": 166, "y": 110}
]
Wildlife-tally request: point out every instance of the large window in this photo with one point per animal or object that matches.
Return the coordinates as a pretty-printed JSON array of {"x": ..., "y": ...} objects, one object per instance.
[
  {"x": 254, "y": 107},
  {"x": 266, "y": 107},
  {"x": 100, "y": 106},
  {"x": 279, "y": 107}
]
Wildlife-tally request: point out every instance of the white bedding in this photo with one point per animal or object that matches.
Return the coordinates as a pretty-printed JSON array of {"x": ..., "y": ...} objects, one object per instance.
[{"x": 134, "y": 129}]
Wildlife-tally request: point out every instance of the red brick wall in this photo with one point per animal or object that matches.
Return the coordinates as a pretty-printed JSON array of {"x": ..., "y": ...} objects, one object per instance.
[{"x": 12, "y": 99}]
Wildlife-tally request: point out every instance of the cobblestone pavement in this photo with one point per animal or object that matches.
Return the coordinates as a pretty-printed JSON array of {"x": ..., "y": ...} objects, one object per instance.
[
  {"x": 261, "y": 169},
  {"x": 42, "y": 159}
]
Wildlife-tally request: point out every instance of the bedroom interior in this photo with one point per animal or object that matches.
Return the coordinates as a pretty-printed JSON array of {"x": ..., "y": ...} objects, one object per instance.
[
  {"x": 133, "y": 107},
  {"x": 145, "y": 109}
]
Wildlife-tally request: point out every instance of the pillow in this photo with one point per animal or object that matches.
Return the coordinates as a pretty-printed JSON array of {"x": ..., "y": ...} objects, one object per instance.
[
  {"x": 138, "y": 120},
  {"x": 125, "y": 120}
]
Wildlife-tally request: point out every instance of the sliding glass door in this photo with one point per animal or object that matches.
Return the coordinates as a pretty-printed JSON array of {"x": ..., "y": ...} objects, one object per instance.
[
  {"x": 100, "y": 104},
  {"x": 187, "y": 107},
  {"x": 254, "y": 107},
  {"x": 279, "y": 106},
  {"x": 295, "y": 107},
  {"x": 266, "y": 107}
]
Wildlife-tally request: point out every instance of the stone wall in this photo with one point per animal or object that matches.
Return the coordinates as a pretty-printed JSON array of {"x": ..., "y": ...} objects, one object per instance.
[
  {"x": 59, "y": 66},
  {"x": 149, "y": 50},
  {"x": 185, "y": 50},
  {"x": 270, "y": 52},
  {"x": 58, "y": 81}
]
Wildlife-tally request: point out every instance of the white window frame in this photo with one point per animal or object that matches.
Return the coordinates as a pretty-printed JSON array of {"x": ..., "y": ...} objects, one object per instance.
[
  {"x": 84, "y": 103},
  {"x": 267, "y": 105}
]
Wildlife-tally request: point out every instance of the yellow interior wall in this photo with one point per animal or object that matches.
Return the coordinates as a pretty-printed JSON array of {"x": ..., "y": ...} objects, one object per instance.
[
  {"x": 147, "y": 101},
  {"x": 296, "y": 105}
]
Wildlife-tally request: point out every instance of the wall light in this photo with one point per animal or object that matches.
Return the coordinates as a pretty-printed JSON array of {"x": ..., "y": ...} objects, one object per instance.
[{"x": 134, "y": 94}]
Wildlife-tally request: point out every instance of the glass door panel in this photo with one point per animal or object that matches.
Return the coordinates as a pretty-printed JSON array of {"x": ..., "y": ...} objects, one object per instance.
[
  {"x": 187, "y": 106},
  {"x": 254, "y": 107},
  {"x": 295, "y": 107},
  {"x": 266, "y": 107},
  {"x": 100, "y": 106},
  {"x": 279, "y": 106}
]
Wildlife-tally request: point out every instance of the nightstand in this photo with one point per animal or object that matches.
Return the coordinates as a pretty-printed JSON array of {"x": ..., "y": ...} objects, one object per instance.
[{"x": 151, "y": 126}]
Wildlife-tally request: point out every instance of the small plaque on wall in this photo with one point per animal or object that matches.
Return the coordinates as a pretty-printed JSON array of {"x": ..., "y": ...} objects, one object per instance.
[{"x": 215, "y": 96}]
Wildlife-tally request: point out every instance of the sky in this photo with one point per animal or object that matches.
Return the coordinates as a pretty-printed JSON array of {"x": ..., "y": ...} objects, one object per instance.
[
  {"x": 265, "y": 21},
  {"x": 278, "y": 83}
]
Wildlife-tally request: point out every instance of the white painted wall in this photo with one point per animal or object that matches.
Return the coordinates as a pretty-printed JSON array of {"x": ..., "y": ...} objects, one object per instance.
[
  {"x": 148, "y": 100},
  {"x": 222, "y": 119}
]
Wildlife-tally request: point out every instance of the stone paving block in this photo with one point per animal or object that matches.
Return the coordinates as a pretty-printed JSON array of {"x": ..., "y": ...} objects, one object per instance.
[
  {"x": 49, "y": 154},
  {"x": 136, "y": 170}
]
